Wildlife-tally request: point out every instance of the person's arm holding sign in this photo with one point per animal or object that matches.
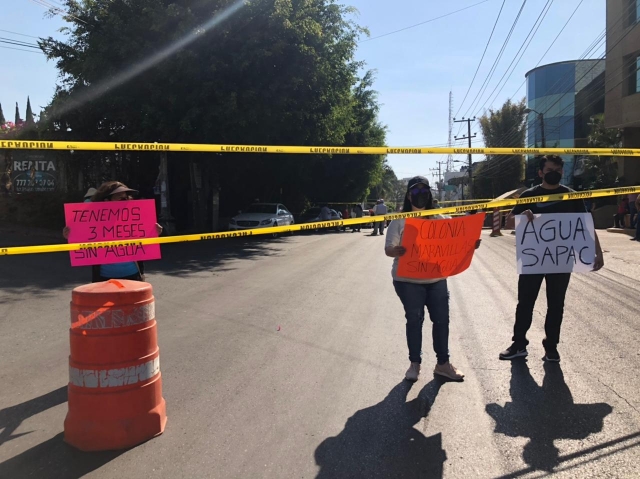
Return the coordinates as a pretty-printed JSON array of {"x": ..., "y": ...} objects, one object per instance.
[
  {"x": 598, "y": 262},
  {"x": 393, "y": 248}
]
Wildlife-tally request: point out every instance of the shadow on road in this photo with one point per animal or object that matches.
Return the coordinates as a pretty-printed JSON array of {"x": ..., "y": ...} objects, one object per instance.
[
  {"x": 31, "y": 276},
  {"x": 11, "y": 417},
  {"x": 52, "y": 459},
  {"x": 182, "y": 259},
  {"x": 55, "y": 459},
  {"x": 545, "y": 413},
  {"x": 381, "y": 441}
]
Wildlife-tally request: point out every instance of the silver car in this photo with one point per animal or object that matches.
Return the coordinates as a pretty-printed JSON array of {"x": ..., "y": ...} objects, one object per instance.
[{"x": 262, "y": 215}]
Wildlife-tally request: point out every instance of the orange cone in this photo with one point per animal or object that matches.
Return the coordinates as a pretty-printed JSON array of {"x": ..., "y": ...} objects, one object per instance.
[{"x": 115, "y": 387}]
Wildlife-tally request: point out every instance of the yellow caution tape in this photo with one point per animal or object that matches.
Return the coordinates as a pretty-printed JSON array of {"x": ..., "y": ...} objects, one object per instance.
[
  {"x": 464, "y": 201},
  {"x": 583, "y": 195},
  {"x": 306, "y": 150}
]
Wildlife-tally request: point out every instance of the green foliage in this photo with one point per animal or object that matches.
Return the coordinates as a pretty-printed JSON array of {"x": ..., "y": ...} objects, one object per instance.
[
  {"x": 276, "y": 72},
  {"x": 388, "y": 186},
  {"x": 601, "y": 171},
  {"x": 29, "y": 121},
  {"x": 506, "y": 128},
  {"x": 2, "y": 118}
]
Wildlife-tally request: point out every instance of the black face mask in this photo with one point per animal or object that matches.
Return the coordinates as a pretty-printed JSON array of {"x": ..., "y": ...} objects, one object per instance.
[
  {"x": 552, "y": 178},
  {"x": 421, "y": 200}
]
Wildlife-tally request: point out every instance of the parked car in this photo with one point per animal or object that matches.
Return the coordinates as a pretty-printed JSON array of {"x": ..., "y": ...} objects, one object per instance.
[
  {"x": 312, "y": 215},
  {"x": 262, "y": 215}
]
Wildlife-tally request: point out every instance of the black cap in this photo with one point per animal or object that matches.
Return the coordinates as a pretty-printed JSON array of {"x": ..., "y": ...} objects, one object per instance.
[{"x": 416, "y": 180}]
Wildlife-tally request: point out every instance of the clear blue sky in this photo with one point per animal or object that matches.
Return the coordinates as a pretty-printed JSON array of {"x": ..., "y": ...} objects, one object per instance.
[{"x": 416, "y": 68}]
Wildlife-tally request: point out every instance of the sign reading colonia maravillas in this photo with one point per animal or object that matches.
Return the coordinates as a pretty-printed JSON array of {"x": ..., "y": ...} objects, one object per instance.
[{"x": 33, "y": 172}]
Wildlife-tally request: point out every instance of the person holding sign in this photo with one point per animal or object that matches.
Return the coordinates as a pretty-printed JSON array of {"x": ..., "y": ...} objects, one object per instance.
[
  {"x": 132, "y": 270},
  {"x": 550, "y": 169},
  {"x": 416, "y": 293}
]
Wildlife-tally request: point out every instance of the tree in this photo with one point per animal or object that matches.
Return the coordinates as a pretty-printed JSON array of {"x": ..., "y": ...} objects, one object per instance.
[
  {"x": 600, "y": 171},
  {"x": 505, "y": 127},
  {"x": 2, "y": 118},
  {"x": 275, "y": 72},
  {"x": 18, "y": 120},
  {"x": 29, "y": 121},
  {"x": 388, "y": 186}
]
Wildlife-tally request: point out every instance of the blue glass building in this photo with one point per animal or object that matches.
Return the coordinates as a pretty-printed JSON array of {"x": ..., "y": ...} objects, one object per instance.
[{"x": 567, "y": 94}]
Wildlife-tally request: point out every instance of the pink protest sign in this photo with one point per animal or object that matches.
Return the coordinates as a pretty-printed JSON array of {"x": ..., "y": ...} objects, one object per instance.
[{"x": 112, "y": 221}]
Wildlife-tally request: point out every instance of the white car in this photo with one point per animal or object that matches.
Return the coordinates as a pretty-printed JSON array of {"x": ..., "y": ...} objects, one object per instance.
[{"x": 261, "y": 215}]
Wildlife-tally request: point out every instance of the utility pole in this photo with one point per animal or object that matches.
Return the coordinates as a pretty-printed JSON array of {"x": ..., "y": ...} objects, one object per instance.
[
  {"x": 450, "y": 125},
  {"x": 166, "y": 220},
  {"x": 439, "y": 170},
  {"x": 468, "y": 137}
]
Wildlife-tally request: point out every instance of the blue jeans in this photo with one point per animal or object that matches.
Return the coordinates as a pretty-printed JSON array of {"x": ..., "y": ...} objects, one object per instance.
[{"x": 435, "y": 296}]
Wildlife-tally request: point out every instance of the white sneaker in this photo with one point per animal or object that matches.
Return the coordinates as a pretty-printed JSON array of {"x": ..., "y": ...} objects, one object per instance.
[
  {"x": 448, "y": 370},
  {"x": 413, "y": 373}
]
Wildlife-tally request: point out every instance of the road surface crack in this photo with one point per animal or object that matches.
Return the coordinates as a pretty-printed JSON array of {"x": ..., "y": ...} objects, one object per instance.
[{"x": 621, "y": 397}]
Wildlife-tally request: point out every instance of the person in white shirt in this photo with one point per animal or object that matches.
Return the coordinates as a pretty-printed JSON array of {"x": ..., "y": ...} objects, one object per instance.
[
  {"x": 379, "y": 209},
  {"x": 415, "y": 294},
  {"x": 325, "y": 213}
]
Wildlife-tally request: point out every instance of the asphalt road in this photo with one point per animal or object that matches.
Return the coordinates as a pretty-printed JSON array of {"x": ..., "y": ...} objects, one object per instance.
[{"x": 324, "y": 395}]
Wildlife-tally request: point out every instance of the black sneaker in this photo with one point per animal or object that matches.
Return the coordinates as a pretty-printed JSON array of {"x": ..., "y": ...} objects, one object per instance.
[
  {"x": 551, "y": 353},
  {"x": 514, "y": 351}
]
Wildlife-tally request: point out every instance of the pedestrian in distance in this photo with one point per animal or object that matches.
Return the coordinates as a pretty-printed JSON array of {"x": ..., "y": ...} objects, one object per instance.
[
  {"x": 132, "y": 270},
  {"x": 637, "y": 236},
  {"x": 89, "y": 194},
  {"x": 358, "y": 212},
  {"x": 623, "y": 210},
  {"x": 416, "y": 294},
  {"x": 378, "y": 210},
  {"x": 633, "y": 210},
  {"x": 550, "y": 169},
  {"x": 345, "y": 215}
]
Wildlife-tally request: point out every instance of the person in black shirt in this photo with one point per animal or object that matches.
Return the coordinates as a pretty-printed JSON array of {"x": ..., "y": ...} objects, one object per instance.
[{"x": 550, "y": 170}]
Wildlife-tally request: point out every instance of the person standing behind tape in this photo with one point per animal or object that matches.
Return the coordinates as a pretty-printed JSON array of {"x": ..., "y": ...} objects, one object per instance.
[
  {"x": 325, "y": 213},
  {"x": 416, "y": 294},
  {"x": 132, "y": 270},
  {"x": 87, "y": 196},
  {"x": 358, "y": 212},
  {"x": 550, "y": 169},
  {"x": 378, "y": 210},
  {"x": 637, "y": 237}
]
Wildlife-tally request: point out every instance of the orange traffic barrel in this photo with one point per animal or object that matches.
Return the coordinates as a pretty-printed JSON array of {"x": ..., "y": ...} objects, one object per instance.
[{"x": 115, "y": 387}]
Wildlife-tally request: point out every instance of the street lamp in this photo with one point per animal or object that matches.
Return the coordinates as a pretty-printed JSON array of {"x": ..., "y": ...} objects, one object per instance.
[{"x": 541, "y": 118}]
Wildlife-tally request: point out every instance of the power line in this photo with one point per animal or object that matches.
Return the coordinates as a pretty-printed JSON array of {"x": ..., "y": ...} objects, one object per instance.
[
  {"x": 497, "y": 60},
  {"x": 422, "y": 23},
  {"x": 18, "y": 42},
  {"x": 594, "y": 45},
  {"x": 21, "y": 50},
  {"x": 523, "y": 48},
  {"x": 552, "y": 43},
  {"x": 20, "y": 34},
  {"x": 57, "y": 11},
  {"x": 481, "y": 58}
]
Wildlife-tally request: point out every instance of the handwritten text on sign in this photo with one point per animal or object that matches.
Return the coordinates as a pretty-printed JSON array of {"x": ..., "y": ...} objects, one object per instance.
[
  {"x": 439, "y": 248},
  {"x": 555, "y": 243},
  {"x": 112, "y": 221}
]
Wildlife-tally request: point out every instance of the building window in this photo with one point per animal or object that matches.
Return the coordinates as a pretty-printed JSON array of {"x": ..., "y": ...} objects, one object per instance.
[
  {"x": 633, "y": 12},
  {"x": 634, "y": 75}
]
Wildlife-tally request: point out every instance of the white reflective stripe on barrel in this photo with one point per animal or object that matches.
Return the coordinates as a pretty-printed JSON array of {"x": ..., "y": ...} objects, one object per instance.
[
  {"x": 111, "y": 317},
  {"x": 109, "y": 378}
]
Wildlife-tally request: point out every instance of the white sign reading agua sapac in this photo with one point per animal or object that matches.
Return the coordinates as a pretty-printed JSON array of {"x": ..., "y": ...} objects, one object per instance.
[{"x": 555, "y": 243}]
